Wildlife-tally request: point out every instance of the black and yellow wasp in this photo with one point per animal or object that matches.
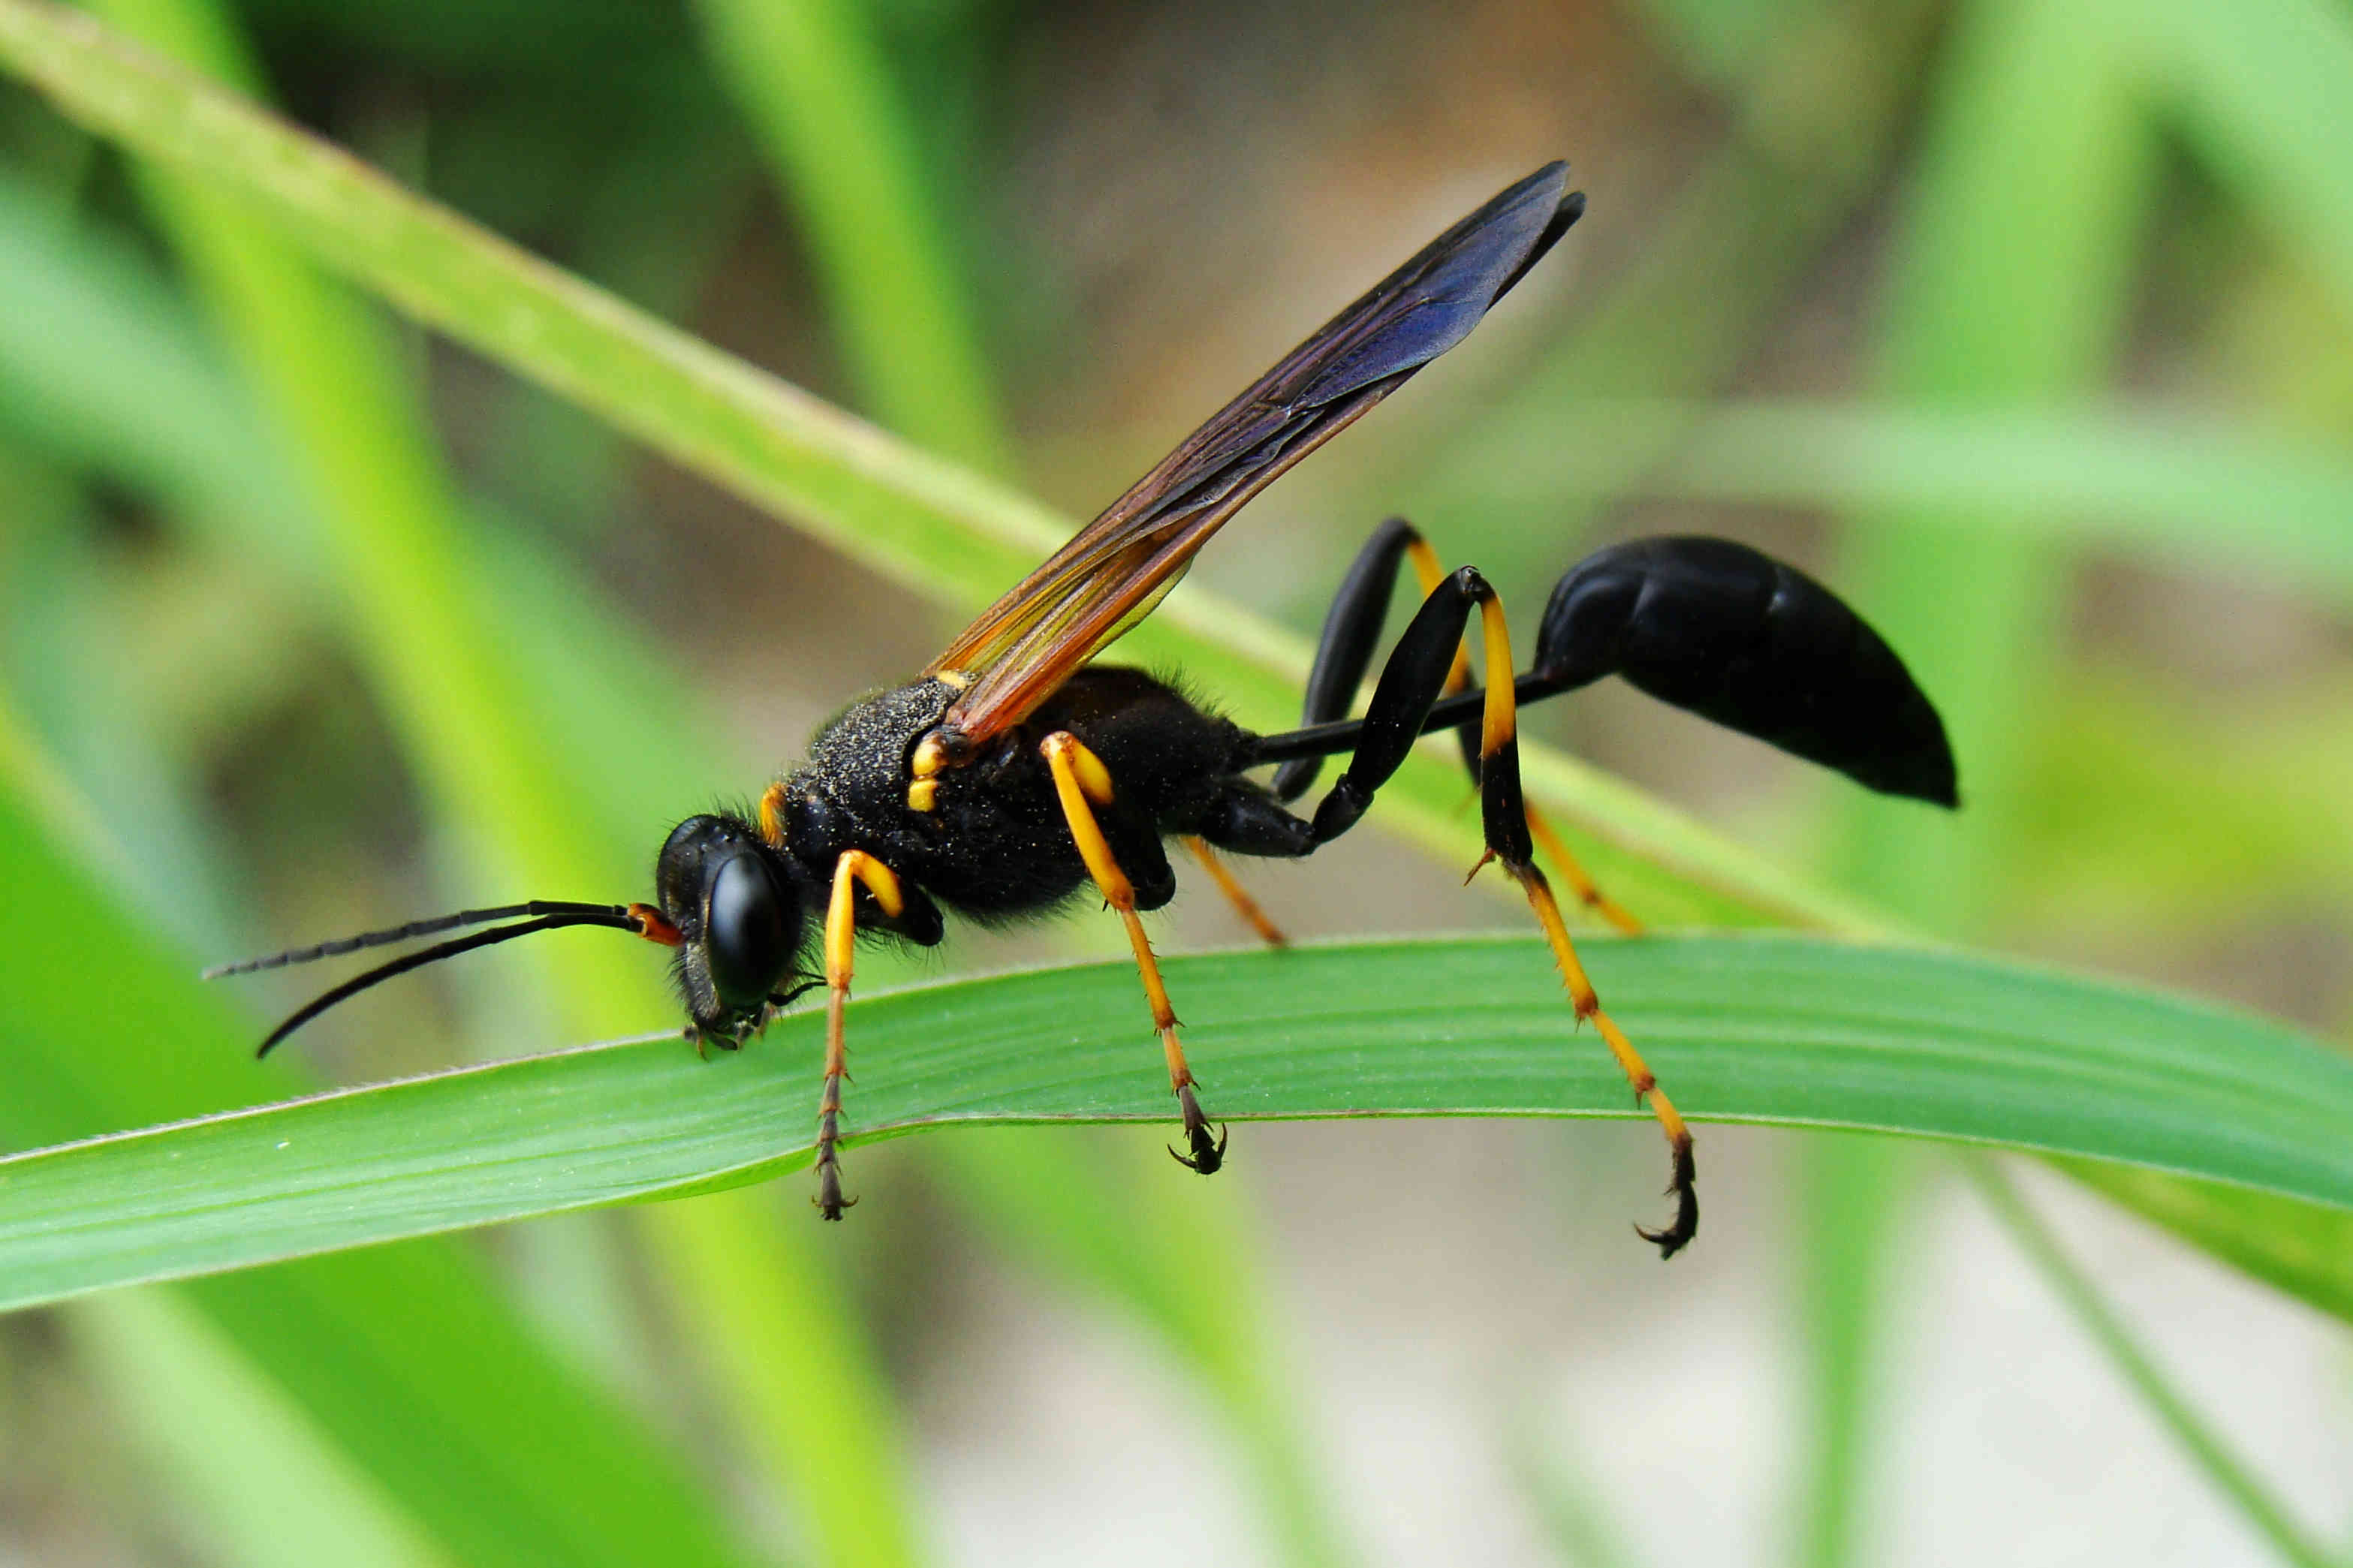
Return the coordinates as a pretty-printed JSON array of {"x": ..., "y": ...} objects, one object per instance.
[{"x": 1012, "y": 773}]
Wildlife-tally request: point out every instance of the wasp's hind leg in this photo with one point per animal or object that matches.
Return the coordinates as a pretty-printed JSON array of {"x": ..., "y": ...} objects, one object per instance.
[
  {"x": 1411, "y": 683},
  {"x": 1351, "y": 627},
  {"x": 1082, "y": 782},
  {"x": 1580, "y": 881},
  {"x": 1246, "y": 907}
]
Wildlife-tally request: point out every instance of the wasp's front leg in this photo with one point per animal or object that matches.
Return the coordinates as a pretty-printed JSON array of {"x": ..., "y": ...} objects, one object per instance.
[{"x": 855, "y": 866}]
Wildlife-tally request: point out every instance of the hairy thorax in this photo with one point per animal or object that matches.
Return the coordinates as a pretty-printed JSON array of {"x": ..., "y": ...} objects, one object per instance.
[{"x": 990, "y": 839}]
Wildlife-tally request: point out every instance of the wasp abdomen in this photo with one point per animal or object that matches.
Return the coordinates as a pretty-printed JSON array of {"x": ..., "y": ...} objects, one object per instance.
[{"x": 1757, "y": 646}]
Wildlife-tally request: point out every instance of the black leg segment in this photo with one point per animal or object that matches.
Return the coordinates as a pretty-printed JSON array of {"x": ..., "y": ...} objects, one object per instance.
[
  {"x": 1409, "y": 685},
  {"x": 1352, "y": 628}
]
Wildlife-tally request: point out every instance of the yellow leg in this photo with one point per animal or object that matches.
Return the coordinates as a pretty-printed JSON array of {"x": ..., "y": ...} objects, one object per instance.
[
  {"x": 1236, "y": 894},
  {"x": 1499, "y": 768},
  {"x": 1427, "y": 568},
  {"x": 855, "y": 866},
  {"x": 1638, "y": 1073},
  {"x": 1590, "y": 896},
  {"x": 1080, "y": 777}
]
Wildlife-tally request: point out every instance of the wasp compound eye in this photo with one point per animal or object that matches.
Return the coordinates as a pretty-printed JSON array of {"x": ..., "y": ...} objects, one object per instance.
[{"x": 748, "y": 931}]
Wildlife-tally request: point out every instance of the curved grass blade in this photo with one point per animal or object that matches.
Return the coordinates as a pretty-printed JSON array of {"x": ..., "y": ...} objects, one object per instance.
[{"x": 1766, "y": 1029}]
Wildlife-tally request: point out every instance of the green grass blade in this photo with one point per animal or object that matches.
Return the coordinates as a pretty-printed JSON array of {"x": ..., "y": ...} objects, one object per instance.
[
  {"x": 925, "y": 522},
  {"x": 2194, "y": 489},
  {"x": 2024, "y": 310},
  {"x": 1851, "y": 1197},
  {"x": 1768, "y": 1029},
  {"x": 2205, "y": 1446},
  {"x": 1111, "y": 1224},
  {"x": 2295, "y": 1247},
  {"x": 802, "y": 1380},
  {"x": 502, "y": 1453},
  {"x": 2005, "y": 287},
  {"x": 811, "y": 77},
  {"x": 249, "y": 1477},
  {"x": 1570, "y": 1510},
  {"x": 1688, "y": 311},
  {"x": 91, "y": 331},
  {"x": 2256, "y": 85},
  {"x": 425, "y": 630}
]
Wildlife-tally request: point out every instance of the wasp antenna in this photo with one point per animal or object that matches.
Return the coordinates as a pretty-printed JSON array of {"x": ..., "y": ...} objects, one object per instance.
[
  {"x": 316, "y": 951},
  {"x": 614, "y": 916}
]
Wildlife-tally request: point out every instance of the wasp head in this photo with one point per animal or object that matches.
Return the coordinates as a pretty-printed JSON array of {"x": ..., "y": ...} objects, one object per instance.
[{"x": 738, "y": 911}]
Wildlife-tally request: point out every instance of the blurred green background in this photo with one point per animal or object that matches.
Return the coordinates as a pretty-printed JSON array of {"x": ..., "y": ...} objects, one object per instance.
[{"x": 2028, "y": 326}]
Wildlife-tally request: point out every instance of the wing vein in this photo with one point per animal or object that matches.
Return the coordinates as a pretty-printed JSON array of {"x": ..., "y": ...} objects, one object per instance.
[{"x": 1117, "y": 568}]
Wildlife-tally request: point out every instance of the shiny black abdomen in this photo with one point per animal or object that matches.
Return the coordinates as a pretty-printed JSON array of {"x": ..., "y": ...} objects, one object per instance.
[{"x": 994, "y": 845}]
